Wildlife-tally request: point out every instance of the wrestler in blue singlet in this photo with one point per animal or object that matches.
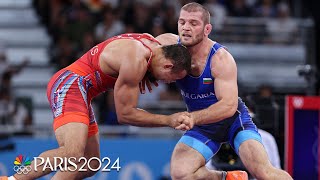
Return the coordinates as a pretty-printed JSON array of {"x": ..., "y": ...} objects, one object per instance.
[{"x": 198, "y": 93}]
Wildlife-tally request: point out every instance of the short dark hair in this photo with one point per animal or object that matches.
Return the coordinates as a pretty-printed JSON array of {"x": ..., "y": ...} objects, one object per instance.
[
  {"x": 196, "y": 7},
  {"x": 180, "y": 57}
]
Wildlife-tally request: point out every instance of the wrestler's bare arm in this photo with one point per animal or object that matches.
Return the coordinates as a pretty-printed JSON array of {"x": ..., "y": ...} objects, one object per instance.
[
  {"x": 224, "y": 70},
  {"x": 126, "y": 91}
]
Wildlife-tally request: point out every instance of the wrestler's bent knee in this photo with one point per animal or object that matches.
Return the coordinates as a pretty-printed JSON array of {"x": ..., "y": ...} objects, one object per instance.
[
  {"x": 179, "y": 173},
  {"x": 90, "y": 173},
  {"x": 75, "y": 153},
  {"x": 261, "y": 173}
]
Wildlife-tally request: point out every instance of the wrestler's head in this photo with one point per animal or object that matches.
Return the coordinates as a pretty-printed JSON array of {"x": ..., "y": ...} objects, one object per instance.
[
  {"x": 173, "y": 62},
  {"x": 193, "y": 24}
]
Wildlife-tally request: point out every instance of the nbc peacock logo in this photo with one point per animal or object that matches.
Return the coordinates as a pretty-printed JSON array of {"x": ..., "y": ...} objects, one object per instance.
[{"x": 22, "y": 165}]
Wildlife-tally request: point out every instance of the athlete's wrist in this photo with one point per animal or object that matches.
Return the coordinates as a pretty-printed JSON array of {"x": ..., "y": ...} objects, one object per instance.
[
  {"x": 193, "y": 117},
  {"x": 167, "y": 121}
]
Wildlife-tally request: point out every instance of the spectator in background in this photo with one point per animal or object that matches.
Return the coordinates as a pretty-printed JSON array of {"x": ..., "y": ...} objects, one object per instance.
[
  {"x": 282, "y": 29},
  {"x": 43, "y": 10},
  {"x": 218, "y": 13},
  {"x": 267, "y": 109},
  {"x": 87, "y": 43},
  {"x": 13, "y": 112},
  {"x": 125, "y": 11},
  {"x": 58, "y": 18},
  {"x": 7, "y": 70},
  {"x": 7, "y": 107},
  {"x": 157, "y": 27},
  {"x": 4, "y": 66},
  {"x": 170, "y": 20},
  {"x": 79, "y": 22},
  {"x": 129, "y": 28},
  {"x": 239, "y": 8},
  {"x": 142, "y": 21},
  {"x": 57, "y": 28},
  {"x": 94, "y": 5},
  {"x": 171, "y": 93},
  {"x": 63, "y": 53},
  {"x": 57, "y": 9},
  {"x": 69, "y": 22},
  {"x": 110, "y": 26},
  {"x": 158, "y": 8},
  {"x": 6, "y": 80},
  {"x": 252, "y": 3},
  {"x": 265, "y": 8},
  {"x": 96, "y": 9}
]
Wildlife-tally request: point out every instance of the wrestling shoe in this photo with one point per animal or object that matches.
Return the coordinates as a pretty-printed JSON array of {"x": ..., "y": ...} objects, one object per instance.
[{"x": 237, "y": 175}]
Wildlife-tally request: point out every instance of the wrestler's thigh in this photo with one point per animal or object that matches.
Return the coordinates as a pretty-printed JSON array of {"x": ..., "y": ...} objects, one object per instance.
[
  {"x": 253, "y": 155},
  {"x": 72, "y": 136},
  {"x": 93, "y": 146},
  {"x": 186, "y": 158}
]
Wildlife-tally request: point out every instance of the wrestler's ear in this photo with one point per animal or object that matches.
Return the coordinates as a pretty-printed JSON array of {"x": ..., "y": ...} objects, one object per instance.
[
  {"x": 207, "y": 29},
  {"x": 168, "y": 66}
]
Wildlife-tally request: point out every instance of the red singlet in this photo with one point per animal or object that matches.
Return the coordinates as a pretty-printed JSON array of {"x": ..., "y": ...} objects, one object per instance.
[{"x": 71, "y": 89}]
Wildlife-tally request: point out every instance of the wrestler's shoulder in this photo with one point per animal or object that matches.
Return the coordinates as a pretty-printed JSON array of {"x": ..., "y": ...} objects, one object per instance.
[{"x": 167, "y": 38}]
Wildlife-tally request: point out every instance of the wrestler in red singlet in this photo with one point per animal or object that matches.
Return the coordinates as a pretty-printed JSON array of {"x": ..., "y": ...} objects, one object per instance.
[{"x": 71, "y": 89}]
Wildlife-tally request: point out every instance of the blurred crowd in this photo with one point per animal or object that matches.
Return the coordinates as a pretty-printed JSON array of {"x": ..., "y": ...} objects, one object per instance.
[
  {"x": 12, "y": 109},
  {"x": 76, "y": 25}
]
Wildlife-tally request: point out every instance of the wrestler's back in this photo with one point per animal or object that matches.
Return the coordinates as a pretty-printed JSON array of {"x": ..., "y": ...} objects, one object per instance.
[{"x": 89, "y": 66}]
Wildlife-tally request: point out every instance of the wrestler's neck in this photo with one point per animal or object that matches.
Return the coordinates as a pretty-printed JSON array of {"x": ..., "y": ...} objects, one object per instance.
[
  {"x": 200, "y": 51},
  {"x": 199, "y": 54},
  {"x": 156, "y": 58},
  {"x": 156, "y": 50}
]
